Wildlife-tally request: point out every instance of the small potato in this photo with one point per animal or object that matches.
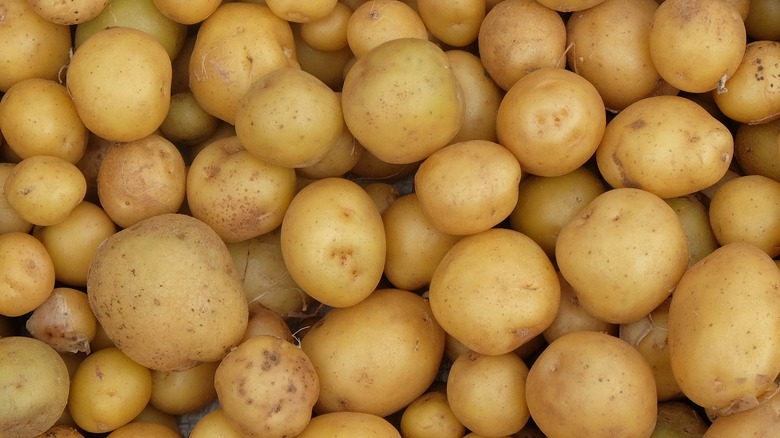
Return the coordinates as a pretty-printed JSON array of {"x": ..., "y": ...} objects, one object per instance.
[
  {"x": 145, "y": 429},
  {"x": 64, "y": 321},
  {"x": 495, "y": 291},
  {"x": 150, "y": 414},
  {"x": 61, "y": 431},
  {"x": 90, "y": 162},
  {"x": 588, "y": 384},
  {"x": 70, "y": 12},
  {"x": 430, "y": 415},
  {"x": 340, "y": 158},
  {"x": 186, "y": 122},
  {"x": 377, "y": 21},
  {"x": 572, "y": 317},
  {"x": 267, "y": 387},
  {"x": 239, "y": 195},
  {"x": 184, "y": 392},
  {"x": 215, "y": 425},
  {"x": 695, "y": 220},
  {"x": 667, "y": 145},
  {"x": 187, "y": 11},
  {"x": 327, "y": 66},
  {"x": 10, "y": 220},
  {"x": 678, "y": 415},
  {"x": 28, "y": 278},
  {"x": 370, "y": 167},
  {"x": 756, "y": 149},
  {"x": 328, "y": 33},
  {"x": 457, "y": 192},
  {"x": 301, "y": 12},
  {"x": 35, "y": 386},
  {"x": 623, "y": 254},
  {"x": 520, "y": 36},
  {"x": 333, "y": 242},
  {"x": 487, "y": 393},
  {"x": 108, "y": 390},
  {"x": 264, "y": 321},
  {"x": 758, "y": 421},
  {"x": 44, "y": 189},
  {"x": 481, "y": 97},
  {"x": 761, "y": 20},
  {"x": 455, "y": 23},
  {"x": 570, "y": 5},
  {"x": 552, "y": 120},
  {"x": 383, "y": 194},
  {"x": 348, "y": 425}
]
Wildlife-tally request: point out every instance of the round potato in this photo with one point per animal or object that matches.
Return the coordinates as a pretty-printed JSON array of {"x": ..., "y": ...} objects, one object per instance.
[
  {"x": 329, "y": 33},
  {"x": 28, "y": 278},
  {"x": 349, "y": 424},
  {"x": 377, "y": 21},
  {"x": 340, "y": 158},
  {"x": 67, "y": 13},
  {"x": 301, "y": 12},
  {"x": 184, "y": 392},
  {"x": 494, "y": 291},
  {"x": 623, "y": 254},
  {"x": 756, "y": 149},
  {"x": 481, "y": 97},
  {"x": 64, "y": 321},
  {"x": 455, "y": 23},
  {"x": 215, "y": 424},
  {"x": 333, "y": 242},
  {"x": 572, "y": 317},
  {"x": 143, "y": 428},
  {"x": 187, "y": 11},
  {"x": 186, "y": 122},
  {"x": 430, "y": 415}
]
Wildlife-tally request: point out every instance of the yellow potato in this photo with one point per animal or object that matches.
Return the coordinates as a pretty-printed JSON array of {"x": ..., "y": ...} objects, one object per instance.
[
  {"x": 756, "y": 149},
  {"x": 623, "y": 254},
  {"x": 264, "y": 321},
  {"x": 494, "y": 291},
  {"x": 28, "y": 278},
  {"x": 301, "y": 12},
  {"x": 340, "y": 158},
  {"x": 186, "y": 122},
  {"x": 333, "y": 242},
  {"x": 149, "y": 430},
  {"x": 327, "y": 66},
  {"x": 481, "y": 97},
  {"x": 215, "y": 425},
  {"x": 455, "y": 23},
  {"x": 758, "y": 421},
  {"x": 383, "y": 194},
  {"x": 184, "y": 392},
  {"x": 695, "y": 220},
  {"x": 64, "y": 321},
  {"x": 348, "y": 425},
  {"x": 377, "y": 21},
  {"x": 667, "y": 145},
  {"x": 10, "y": 220},
  {"x": 67, "y": 13},
  {"x": 570, "y": 5},
  {"x": 61, "y": 431},
  {"x": 328, "y": 33},
  {"x": 761, "y": 20},
  {"x": 430, "y": 415},
  {"x": 187, "y": 11},
  {"x": 573, "y": 317}
]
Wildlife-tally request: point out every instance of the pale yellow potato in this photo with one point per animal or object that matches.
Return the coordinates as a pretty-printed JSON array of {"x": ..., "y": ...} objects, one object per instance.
[
  {"x": 186, "y": 122},
  {"x": 145, "y": 429},
  {"x": 187, "y": 11},
  {"x": 70, "y": 12},
  {"x": 239, "y": 195},
  {"x": 289, "y": 118},
  {"x": 588, "y": 384},
  {"x": 695, "y": 220},
  {"x": 150, "y": 414},
  {"x": 487, "y": 393},
  {"x": 10, "y": 220},
  {"x": 758, "y": 421},
  {"x": 455, "y": 23},
  {"x": 761, "y": 20},
  {"x": 167, "y": 293},
  {"x": 430, "y": 415},
  {"x": 570, "y": 5},
  {"x": 348, "y": 425},
  {"x": 723, "y": 329},
  {"x": 326, "y": 65},
  {"x": 414, "y": 246},
  {"x": 623, "y": 254},
  {"x": 481, "y": 97},
  {"x": 35, "y": 386},
  {"x": 38, "y": 117},
  {"x": 29, "y": 273},
  {"x": 333, "y": 242},
  {"x": 72, "y": 243},
  {"x": 468, "y": 187},
  {"x": 572, "y": 317},
  {"x": 383, "y": 194},
  {"x": 108, "y": 390},
  {"x": 98, "y": 77},
  {"x": 667, "y": 145},
  {"x": 264, "y": 321},
  {"x": 747, "y": 209},
  {"x": 377, "y": 21},
  {"x": 367, "y": 369},
  {"x": 756, "y": 149},
  {"x": 34, "y": 46},
  {"x": 610, "y": 48},
  {"x": 494, "y": 291},
  {"x": 328, "y": 33},
  {"x": 219, "y": 71},
  {"x": 371, "y": 168},
  {"x": 186, "y": 391},
  {"x": 266, "y": 387},
  {"x": 391, "y": 107},
  {"x": 696, "y": 45},
  {"x": 215, "y": 425},
  {"x": 340, "y": 158},
  {"x": 64, "y": 321},
  {"x": 301, "y": 12},
  {"x": 552, "y": 120},
  {"x": 519, "y": 36},
  {"x": 61, "y": 431}
]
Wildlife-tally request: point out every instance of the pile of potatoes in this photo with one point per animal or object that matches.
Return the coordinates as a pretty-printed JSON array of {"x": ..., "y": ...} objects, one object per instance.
[{"x": 381, "y": 218}]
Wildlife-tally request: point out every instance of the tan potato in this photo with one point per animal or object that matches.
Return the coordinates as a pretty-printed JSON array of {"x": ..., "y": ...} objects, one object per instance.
[
  {"x": 572, "y": 317},
  {"x": 214, "y": 424},
  {"x": 455, "y": 23},
  {"x": 723, "y": 328},
  {"x": 694, "y": 217},
  {"x": 377, "y": 21},
  {"x": 67, "y": 13},
  {"x": 327, "y": 66},
  {"x": 219, "y": 74},
  {"x": 301, "y": 12},
  {"x": 186, "y": 122},
  {"x": 150, "y": 414},
  {"x": 35, "y": 386},
  {"x": 90, "y": 162},
  {"x": 29, "y": 273},
  {"x": 141, "y": 179},
  {"x": 761, "y": 18},
  {"x": 697, "y": 151},
  {"x": 145, "y": 429},
  {"x": 224, "y": 169},
  {"x": 34, "y": 46},
  {"x": 266, "y": 387},
  {"x": 349, "y": 424},
  {"x": 430, "y": 415},
  {"x": 481, "y": 97},
  {"x": 588, "y": 384},
  {"x": 487, "y": 393},
  {"x": 457, "y": 193},
  {"x": 340, "y": 158},
  {"x": 64, "y": 321},
  {"x": 264, "y": 321},
  {"x": 383, "y": 194},
  {"x": 333, "y": 242},
  {"x": 747, "y": 209},
  {"x": 756, "y": 149},
  {"x": 38, "y": 117},
  {"x": 519, "y": 36},
  {"x": 472, "y": 299},
  {"x": 552, "y": 120},
  {"x": 375, "y": 371},
  {"x": 167, "y": 293},
  {"x": 623, "y": 254},
  {"x": 10, "y": 220},
  {"x": 570, "y": 5},
  {"x": 61, "y": 431},
  {"x": 371, "y": 168},
  {"x": 187, "y": 11},
  {"x": 758, "y": 421},
  {"x": 328, "y": 33},
  {"x": 184, "y": 392}
]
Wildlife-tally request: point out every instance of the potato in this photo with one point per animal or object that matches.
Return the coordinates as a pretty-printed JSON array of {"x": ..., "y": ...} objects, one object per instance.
[
  {"x": 753, "y": 91},
  {"x": 481, "y": 97},
  {"x": 264, "y": 321},
  {"x": 758, "y": 421},
  {"x": 10, "y": 220},
  {"x": 340, "y": 158},
  {"x": 141, "y": 179},
  {"x": 90, "y": 162},
  {"x": 235, "y": 46},
  {"x": 383, "y": 194},
  {"x": 214, "y": 425},
  {"x": 610, "y": 48},
  {"x": 150, "y": 414},
  {"x": 570, "y": 5},
  {"x": 328, "y": 33},
  {"x": 375, "y": 371},
  {"x": 520, "y": 36},
  {"x": 38, "y": 117},
  {"x": 552, "y": 120},
  {"x": 289, "y": 118},
  {"x": 370, "y": 167},
  {"x": 67, "y": 13},
  {"x": 756, "y": 149},
  {"x": 390, "y": 106},
  {"x": 64, "y": 321},
  {"x": 186, "y": 122},
  {"x": 587, "y": 384},
  {"x": 623, "y": 254},
  {"x": 327, "y": 66},
  {"x": 760, "y": 19},
  {"x": 377, "y": 21},
  {"x": 239, "y": 195},
  {"x": 35, "y": 386},
  {"x": 694, "y": 217},
  {"x": 573, "y": 317},
  {"x": 349, "y": 424},
  {"x": 747, "y": 209},
  {"x": 301, "y": 12},
  {"x": 667, "y": 145},
  {"x": 456, "y": 192},
  {"x": 333, "y": 242},
  {"x": 453, "y": 23},
  {"x": 61, "y": 431},
  {"x": 28, "y": 278},
  {"x": 187, "y": 12},
  {"x": 675, "y": 417},
  {"x": 138, "y": 428},
  {"x": 267, "y": 387},
  {"x": 487, "y": 393},
  {"x": 167, "y": 293},
  {"x": 108, "y": 390},
  {"x": 494, "y": 291},
  {"x": 184, "y": 392},
  {"x": 430, "y": 415},
  {"x": 33, "y": 46},
  {"x": 696, "y": 45}
]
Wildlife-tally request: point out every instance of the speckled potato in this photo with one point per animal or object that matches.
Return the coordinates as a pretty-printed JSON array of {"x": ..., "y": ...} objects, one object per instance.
[
  {"x": 430, "y": 415},
  {"x": 377, "y": 21},
  {"x": 28, "y": 278}
]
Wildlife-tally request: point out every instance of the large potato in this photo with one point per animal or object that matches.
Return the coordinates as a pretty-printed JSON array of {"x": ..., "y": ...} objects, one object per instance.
[
  {"x": 349, "y": 425},
  {"x": 166, "y": 292},
  {"x": 724, "y": 323},
  {"x": 667, "y": 145}
]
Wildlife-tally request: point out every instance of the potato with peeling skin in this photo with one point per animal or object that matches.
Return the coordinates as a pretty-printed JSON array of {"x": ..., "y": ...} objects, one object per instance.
[{"x": 64, "y": 321}]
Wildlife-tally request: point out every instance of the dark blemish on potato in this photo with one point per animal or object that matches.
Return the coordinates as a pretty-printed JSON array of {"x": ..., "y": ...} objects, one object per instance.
[
  {"x": 637, "y": 124},
  {"x": 291, "y": 389}
]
